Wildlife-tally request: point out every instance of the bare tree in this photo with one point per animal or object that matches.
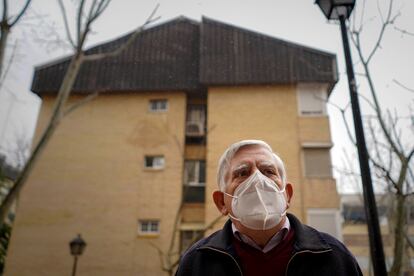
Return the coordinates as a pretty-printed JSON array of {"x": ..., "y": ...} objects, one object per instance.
[
  {"x": 6, "y": 25},
  {"x": 389, "y": 153},
  {"x": 87, "y": 14},
  {"x": 170, "y": 257}
]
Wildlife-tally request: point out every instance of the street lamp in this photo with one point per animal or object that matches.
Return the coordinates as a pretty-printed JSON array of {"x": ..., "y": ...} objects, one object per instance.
[
  {"x": 341, "y": 10},
  {"x": 77, "y": 245}
]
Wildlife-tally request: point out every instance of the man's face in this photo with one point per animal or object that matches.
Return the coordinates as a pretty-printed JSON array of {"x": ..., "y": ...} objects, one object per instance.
[{"x": 244, "y": 163}]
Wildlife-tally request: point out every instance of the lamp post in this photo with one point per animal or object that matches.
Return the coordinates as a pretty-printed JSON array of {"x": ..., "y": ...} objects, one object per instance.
[
  {"x": 77, "y": 245},
  {"x": 341, "y": 10}
]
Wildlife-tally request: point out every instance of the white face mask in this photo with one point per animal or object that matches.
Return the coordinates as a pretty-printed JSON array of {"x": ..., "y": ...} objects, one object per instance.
[{"x": 258, "y": 203}]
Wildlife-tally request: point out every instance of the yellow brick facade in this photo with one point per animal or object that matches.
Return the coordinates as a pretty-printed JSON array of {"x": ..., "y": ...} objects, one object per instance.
[
  {"x": 91, "y": 178},
  {"x": 269, "y": 113}
]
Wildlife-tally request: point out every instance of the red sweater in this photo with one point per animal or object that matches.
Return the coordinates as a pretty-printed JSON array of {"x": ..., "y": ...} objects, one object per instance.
[{"x": 254, "y": 262}]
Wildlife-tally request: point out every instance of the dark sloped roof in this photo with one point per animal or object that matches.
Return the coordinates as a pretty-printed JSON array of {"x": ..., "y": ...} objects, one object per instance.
[
  {"x": 164, "y": 57},
  {"x": 231, "y": 55},
  {"x": 186, "y": 55}
]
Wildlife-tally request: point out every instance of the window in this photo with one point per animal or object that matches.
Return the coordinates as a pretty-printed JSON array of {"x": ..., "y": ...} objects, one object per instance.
[
  {"x": 158, "y": 105},
  {"x": 194, "y": 181},
  {"x": 188, "y": 238},
  {"x": 196, "y": 121},
  {"x": 312, "y": 99},
  {"x": 154, "y": 162},
  {"x": 317, "y": 162},
  {"x": 149, "y": 227},
  {"x": 355, "y": 214},
  {"x": 195, "y": 172}
]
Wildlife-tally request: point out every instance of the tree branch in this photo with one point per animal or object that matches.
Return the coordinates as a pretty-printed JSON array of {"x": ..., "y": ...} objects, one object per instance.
[
  {"x": 102, "y": 5},
  {"x": 80, "y": 103},
  {"x": 9, "y": 63},
  {"x": 20, "y": 14},
  {"x": 79, "y": 20},
  {"x": 410, "y": 155},
  {"x": 393, "y": 130},
  {"x": 199, "y": 236},
  {"x": 365, "y": 63},
  {"x": 403, "y": 86},
  {"x": 409, "y": 242},
  {"x": 127, "y": 43},
  {"x": 347, "y": 128},
  {"x": 383, "y": 28},
  {"x": 65, "y": 21},
  {"x": 402, "y": 31},
  {"x": 5, "y": 10},
  {"x": 160, "y": 255}
]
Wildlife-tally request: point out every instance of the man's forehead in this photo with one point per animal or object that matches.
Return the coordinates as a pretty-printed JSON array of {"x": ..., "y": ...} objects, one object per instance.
[
  {"x": 257, "y": 151},
  {"x": 261, "y": 157},
  {"x": 248, "y": 163}
]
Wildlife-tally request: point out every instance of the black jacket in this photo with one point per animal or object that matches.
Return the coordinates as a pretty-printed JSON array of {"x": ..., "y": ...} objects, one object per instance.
[{"x": 314, "y": 253}]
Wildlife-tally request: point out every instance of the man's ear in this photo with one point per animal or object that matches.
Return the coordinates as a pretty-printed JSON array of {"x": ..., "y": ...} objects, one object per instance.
[
  {"x": 289, "y": 192},
  {"x": 218, "y": 198}
]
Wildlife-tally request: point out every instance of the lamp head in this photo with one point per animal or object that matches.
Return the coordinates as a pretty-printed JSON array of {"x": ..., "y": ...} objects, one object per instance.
[
  {"x": 77, "y": 246},
  {"x": 333, "y": 9}
]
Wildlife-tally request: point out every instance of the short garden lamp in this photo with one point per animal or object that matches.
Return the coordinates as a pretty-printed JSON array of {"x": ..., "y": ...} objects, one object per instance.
[
  {"x": 77, "y": 246},
  {"x": 341, "y": 10}
]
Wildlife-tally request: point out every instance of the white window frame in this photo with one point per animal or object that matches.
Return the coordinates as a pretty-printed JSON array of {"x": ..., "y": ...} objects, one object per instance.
[
  {"x": 158, "y": 162},
  {"x": 196, "y": 174},
  {"x": 158, "y": 105},
  {"x": 320, "y": 93},
  {"x": 327, "y": 211},
  {"x": 149, "y": 227}
]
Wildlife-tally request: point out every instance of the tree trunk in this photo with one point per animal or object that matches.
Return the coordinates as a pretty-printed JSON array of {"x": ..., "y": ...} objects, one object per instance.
[
  {"x": 5, "y": 30},
  {"x": 62, "y": 97},
  {"x": 399, "y": 237}
]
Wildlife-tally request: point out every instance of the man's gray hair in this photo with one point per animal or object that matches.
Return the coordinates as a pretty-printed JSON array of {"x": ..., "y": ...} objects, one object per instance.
[{"x": 224, "y": 162}]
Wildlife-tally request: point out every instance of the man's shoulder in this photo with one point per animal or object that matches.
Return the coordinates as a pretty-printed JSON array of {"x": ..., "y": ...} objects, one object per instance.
[
  {"x": 311, "y": 238},
  {"x": 204, "y": 242},
  {"x": 335, "y": 243},
  {"x": 192, "y": 256}
]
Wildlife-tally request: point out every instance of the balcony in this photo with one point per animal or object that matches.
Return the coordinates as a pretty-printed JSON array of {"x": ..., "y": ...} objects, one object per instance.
[
  {"x": 194, "y": 181},
  {"x": 195, "y": 130},
  {"x": 194, "y": 194}
]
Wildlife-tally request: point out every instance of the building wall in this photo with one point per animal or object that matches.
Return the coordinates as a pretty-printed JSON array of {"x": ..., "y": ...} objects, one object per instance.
[
  {"x": 356, "y": 236},
  {"x": 91, "y": 180},
  {"x": 269, "y": 113}
]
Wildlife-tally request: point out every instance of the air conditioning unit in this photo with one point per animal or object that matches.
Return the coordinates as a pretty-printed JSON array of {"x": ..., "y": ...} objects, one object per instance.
[{"x": 194, "y": 129}]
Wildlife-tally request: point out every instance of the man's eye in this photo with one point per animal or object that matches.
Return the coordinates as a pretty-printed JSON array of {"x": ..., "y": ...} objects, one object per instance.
[{"x": 241, "y": 174}]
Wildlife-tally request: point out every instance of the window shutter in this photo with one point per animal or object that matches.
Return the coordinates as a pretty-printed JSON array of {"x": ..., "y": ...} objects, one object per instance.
[{"x": 317, "y": 162}]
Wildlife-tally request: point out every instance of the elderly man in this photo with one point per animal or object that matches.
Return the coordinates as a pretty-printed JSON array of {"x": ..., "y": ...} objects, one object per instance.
[{"x": 260, "y": 238}]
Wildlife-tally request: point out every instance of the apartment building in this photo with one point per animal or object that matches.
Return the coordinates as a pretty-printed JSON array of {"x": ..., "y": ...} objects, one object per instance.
[
  {"x": 355, "y": 230},
  {"x": 134, "y": 169}
]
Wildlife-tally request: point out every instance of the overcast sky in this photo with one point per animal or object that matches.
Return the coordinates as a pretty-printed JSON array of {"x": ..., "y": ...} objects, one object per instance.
[{"x": 298, "y": 21}]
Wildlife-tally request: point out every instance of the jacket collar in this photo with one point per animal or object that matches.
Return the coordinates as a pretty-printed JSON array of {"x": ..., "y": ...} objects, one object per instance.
[
  {"x": 306, "y": 238},
  {"x": 221, "y": 240}
]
